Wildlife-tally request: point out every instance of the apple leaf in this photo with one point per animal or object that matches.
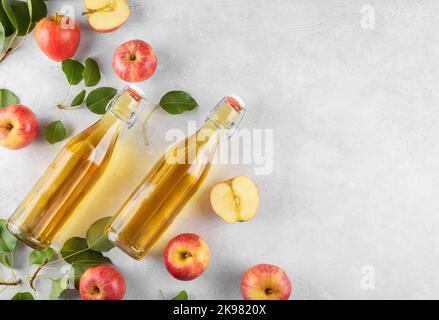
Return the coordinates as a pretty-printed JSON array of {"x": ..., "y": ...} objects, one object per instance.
[
  {"x": 55, "y": 132},
  {"x": 2, "y": 36},
  {"x": 23, "y": 296},
  {"x": 73, "y": 70},
  {"x": 96, "y": 238},
  {"x": 77, "y": 253},
  {"x": 176, "y": 102},
  {"x": 58, "y": 287},
  {"x": 39, "y": 257},
  {"x": 181, "y": 296},
  {"x": 91, "y": 73},
  {"x": 4, "y": 20},
  {"x": 98, "y": 99},
  {"x": 79, "y": 99},
  {"x": 22, "y": 17},
  {"x": 4, "y": 260},
  {"x": 7, "y": 98},
  {"x": 37, "y": 10},
  {"x": 9, "y": 13},
  {"x": 7, "y": 240}
]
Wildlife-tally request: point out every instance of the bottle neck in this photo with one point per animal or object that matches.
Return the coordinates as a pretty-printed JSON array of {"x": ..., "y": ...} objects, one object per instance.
[
  {"x": 123, "y": 108},
  {"x": 224, "y": 118}
]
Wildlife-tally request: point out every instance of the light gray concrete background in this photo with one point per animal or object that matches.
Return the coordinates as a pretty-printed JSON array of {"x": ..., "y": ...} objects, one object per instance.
[{"x": 355, "y": 116}]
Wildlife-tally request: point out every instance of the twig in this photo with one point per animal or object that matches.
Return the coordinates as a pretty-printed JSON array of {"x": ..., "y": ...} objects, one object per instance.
[
  {"x": 145, "y": 136},
  {"x": 9, "y": 49},
  {"x": 12, "y": 283},
  {"x": 41, "y": 266}
]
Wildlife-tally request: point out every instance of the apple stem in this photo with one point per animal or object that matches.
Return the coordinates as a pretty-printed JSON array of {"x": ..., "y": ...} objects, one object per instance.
[
  {"x": 270, "y": 291},
  {"x": 40, "y": 267}
]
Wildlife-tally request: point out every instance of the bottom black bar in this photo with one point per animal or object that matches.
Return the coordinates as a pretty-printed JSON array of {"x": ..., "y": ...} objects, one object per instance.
[{"x": 210, "y": 309}]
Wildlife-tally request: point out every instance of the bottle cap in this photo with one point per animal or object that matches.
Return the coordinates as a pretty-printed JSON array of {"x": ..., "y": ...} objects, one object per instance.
[
  {"x": 236, "y": 102},
  {"x": 136, "y": 91}
]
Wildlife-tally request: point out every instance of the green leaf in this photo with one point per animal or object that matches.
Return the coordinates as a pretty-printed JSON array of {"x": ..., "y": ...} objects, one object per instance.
[
  {"x": 73, "y": 70},
  {"x": 55, "y": 132},
  {"x": 79, "y": 99},
  {"x": 181, "y": 296},
  {"x": 98, "y": 99},
  {"x": 58, "y": 287},
  {"x": 96, "y": 238},
  {"x": 4, "y": 20},
  {"x": 39, "y": 257},
  {"x": 37, "y": 10},
  {"x": 77, "y": 253},
  {"x": 176, "y": 102},
  {"x": 91, "y": 73},
  {"x": 23, "y": 296},
  {"x": 7, "y": 240},
  {"x": 22, "y": 17},
  {"x": 78, "y": 271},
  {"x": 7, "y": 98},
  {"x": 10, "y": 14},
  {"x": 4, "y": 260},
  {"x": 2, "y": 37},
  {"x": 76, "y": 250},
  {"x": 71, "y": 248}
]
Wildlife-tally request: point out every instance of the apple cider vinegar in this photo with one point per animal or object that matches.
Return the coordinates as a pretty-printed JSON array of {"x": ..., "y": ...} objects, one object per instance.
[
  {"x": 77, "y": 167},
  {"x": 170, "y": 184}
]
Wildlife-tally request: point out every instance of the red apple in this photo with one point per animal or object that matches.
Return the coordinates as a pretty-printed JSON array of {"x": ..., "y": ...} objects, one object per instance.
[
  {"x": 187, "y": 256},
  {"x": 265, "y": 282},
  {"x": 18, "y": 126},
  {"x": 134, "y": 61},
  {"x": 58, "y": 37},
  {"x": 102, "y": 283}
]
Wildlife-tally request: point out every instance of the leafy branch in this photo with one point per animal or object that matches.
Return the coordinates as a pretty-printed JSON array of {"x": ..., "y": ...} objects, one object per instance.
[
  {"x": 17, "y": 20},
  {"x": 79, "y": 253},
  {"x": 96, "y": 100}
]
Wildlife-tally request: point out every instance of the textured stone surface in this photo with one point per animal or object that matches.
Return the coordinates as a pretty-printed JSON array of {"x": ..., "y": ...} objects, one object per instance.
[{"x": 355, "y": 119}]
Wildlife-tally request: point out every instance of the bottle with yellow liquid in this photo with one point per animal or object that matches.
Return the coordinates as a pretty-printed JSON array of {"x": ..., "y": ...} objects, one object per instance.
[
  {"x": 76, "y": 168},
  {"x": 173, "y": 180}
]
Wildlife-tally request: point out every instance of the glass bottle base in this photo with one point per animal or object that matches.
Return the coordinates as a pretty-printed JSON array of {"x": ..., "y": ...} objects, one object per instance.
[
  {"x": 24, "y": 237},
  {"x": 133, "y": 252}
]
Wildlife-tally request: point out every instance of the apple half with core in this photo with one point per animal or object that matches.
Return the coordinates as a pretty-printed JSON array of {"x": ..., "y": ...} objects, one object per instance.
[
  {"x": 134, "y": 61},
  {"x": 106, "y": 15},
  {"x": 265, "y": 282},
  {"x": 235, "y": 200},
  {"x": 102, "y": 282},
  {"x": 58, "y": 37},
  {"x": 187, "y": 256},
  {"x": 18, "y": 126}
]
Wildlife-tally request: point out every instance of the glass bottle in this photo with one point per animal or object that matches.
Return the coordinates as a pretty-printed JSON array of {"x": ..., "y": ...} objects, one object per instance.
[
  {"x": 177, "y": 175},
  {"x": 76, "y": 168}
]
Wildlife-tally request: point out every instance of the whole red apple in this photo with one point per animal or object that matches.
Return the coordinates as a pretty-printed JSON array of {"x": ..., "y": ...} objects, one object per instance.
[
  {"x": 18, "y": 126},
  {"x": 134, "y": 61},
  {"x": 187, "y": 256},
  {"x": 58, "y": 37},
  {"x": 265, "y": 282},
  {"x": 102, "y": 283}
]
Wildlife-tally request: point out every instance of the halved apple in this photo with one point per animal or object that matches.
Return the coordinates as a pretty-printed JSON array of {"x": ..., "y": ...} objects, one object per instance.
[
  {"x": 235, "y": 200},
  {"x": 107, "y": 15}
]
